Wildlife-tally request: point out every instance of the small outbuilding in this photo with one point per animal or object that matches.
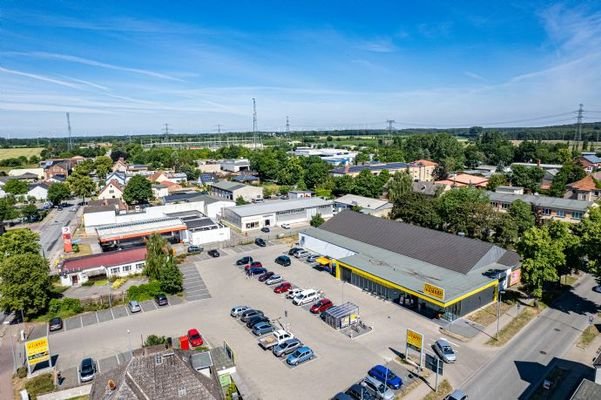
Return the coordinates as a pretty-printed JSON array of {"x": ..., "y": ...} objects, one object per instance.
[{"x": 339, "y": 317}]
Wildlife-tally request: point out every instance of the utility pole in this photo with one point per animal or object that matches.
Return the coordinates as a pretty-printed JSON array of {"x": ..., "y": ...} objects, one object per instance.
[
  {"x": 254, "y": 124},
  {"x": 69, "y": 128},
  {"x": 287, "y": 125},
  {"x": 390, "y": 127},
  {"x": 578, "y": 135}
]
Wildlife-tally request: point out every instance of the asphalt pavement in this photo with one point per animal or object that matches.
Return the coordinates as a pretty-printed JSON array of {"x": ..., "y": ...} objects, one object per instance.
[
  {"x": 51, "y": 230},
  {"x": 524, "y": 361}
]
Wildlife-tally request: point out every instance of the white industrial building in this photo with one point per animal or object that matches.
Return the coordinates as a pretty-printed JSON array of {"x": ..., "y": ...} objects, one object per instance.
[
  {"x": 275, "y": 213},
  {"x": 241, "y": 164},
  {"x": 232, "y": 190}
]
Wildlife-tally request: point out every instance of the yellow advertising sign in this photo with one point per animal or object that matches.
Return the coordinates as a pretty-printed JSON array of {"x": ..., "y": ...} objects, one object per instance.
[
  {"x": 37, "y": 351},
  {"x": 415, "y": 339},
  {"x": 434, "y": 291}
]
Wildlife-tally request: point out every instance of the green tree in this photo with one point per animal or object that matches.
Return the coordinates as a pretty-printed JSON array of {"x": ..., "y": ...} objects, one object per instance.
[
  {"x": 138, "y": 190},
  {"x": 343, "y": 185},
  {"x": 29, "y": 212},
  {"x": 58, "y": 192},
  {"x": 569, "y": 172},
  {"x": 366, "y": 184},
  {"x": 291, "y": 173},
  {"x": 81, "y": 185},
  {"x": 316, "y": 171},
  {"x": 522, "y": 215},
  {"x": 19, "y": 241},
  {"x": 527, "y": 177},
  {"x": 466, "y": 210},
  {"x": 240, "y": 201},
  {"x": 590, "y": 239},
  {"x": 171, "y": 277},
  {"x": 15, "y": 187},
  {"x": 504, "y": 230},
  {"x": 7, "y": 209},
  {"x": 103, "y": 166},
  {"x": 497, "y": 149},
  {"x": 24, "y": 283},
  {"x": 399, "y": 186},
  {"x": 84, "y": 168},
  {"x": 417, "y": 209},
  {"x": 495, "y": 181},
  {"x": 317, "y": 220},
  {"x": 157, "y": 250}
]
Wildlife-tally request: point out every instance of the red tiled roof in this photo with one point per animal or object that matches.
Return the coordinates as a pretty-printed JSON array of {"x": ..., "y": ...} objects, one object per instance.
[
  {"x": 586, "y": 183},
  {"x": 425, "y": 163},
  {"x": 460, "y": 180},
  {"x": 109, "y": 259}
]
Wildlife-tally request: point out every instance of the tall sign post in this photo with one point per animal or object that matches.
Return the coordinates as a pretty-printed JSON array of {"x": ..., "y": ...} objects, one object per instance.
[
  {"x": 415, "y": 340},
  {"x": 67, "y": 243},
  {"x": 434, "y": 364}
]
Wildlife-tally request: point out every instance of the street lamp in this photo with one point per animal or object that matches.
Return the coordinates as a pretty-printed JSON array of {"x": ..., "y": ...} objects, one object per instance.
[
  {"x": 499, "y": 311},
  {"x": 129, "y": 343}
]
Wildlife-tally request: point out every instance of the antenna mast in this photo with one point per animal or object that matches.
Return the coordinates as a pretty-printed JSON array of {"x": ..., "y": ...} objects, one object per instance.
[
  {"x": 70, "y": 144},
  {"x": 287, "y": 125}
]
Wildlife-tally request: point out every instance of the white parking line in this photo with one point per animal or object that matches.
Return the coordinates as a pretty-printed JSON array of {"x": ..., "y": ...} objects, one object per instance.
[{"x": 112, "y": 315}]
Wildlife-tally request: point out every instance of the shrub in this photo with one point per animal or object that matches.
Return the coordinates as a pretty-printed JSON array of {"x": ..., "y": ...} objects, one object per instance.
[
  {"x": 145, "y": 291},
  {"x": 64, "y": 307},
  {"x": 153, "y": 340},
  {"x": 21, "y": 372},
  {"x": 89, "y": 282},
  {"x": 39, "y": 385}
]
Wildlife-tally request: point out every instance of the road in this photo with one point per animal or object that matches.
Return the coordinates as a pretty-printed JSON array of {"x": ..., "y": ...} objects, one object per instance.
[
  {"x": 51, "y": 229},
  {"x": 525, "y": 359}
]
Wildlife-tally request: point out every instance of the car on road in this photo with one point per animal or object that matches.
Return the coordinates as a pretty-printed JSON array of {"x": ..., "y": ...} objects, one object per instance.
[
  {"x": 161, "y": 299},
  {"x": 214, "y": 253},
  {"x": 194, "y": 249},
  {"x": 248, "y": 314},
  {"x": 292, "y": 293},
  {"x": 300, "y": 355},
  {"x": 238, "y": 310},
  {"x": 321, "y": 306},
  {"x": 457, "y": 395},
  {"x": 274, "y": 279},
  {"x": 55, "y": 324},
  {"x": 244, "y": 260},
  {"x": 266, "y": 276},
  {"x": 255, "y": 320},
  {"x": 260, "y": 242},
  {"x": 255, "y": 264},
  {"x": 293, "y": 250},
  {"x": 87, "y": 370},
  {"x": 134, "y": 306},
  {"x": 286, "y": 347},
  {"x": 256, "y": 271},
  {"x": 262, "y": 328},
  {"x": 445, "y": 351},
  {"x": 358, "y": 392},
  {"x": 377, "y": 388},
  {"x": 285, "y": 226},
  {"x": 284, "y": 261},
  {"x": 265, "y": 229},
  {"x": 195, "y": 338},
  {"x": 342, "y": 396},
  {"x": 282, "y": 287},
  {"x": 386, "y": 376}
]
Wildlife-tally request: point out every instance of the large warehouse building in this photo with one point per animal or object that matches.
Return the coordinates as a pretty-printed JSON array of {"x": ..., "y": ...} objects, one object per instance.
[{"x": 435, "y": 273}]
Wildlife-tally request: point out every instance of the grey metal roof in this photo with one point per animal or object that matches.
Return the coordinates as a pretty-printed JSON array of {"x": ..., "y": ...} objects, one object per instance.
[
  {"x": 452, "y": 252},
  {"x": 201, "y": 360},
  {"x": 587, "y": 390},
  {"x": 364, "y": 202},
  {"x": 372, "y": 167},
  {"x": 342, "y": 310},
  {"x": 227, "y": 185},
  {"x": 189, "y": 197},
  {"x": 542, "y": 201},
  {"x": 278, "y": 206}
]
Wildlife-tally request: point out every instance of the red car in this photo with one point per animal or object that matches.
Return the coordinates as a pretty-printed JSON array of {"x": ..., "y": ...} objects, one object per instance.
[
  {"x": 283, "y": 287},
  {"x": 321, "y": 306},
  {"x": 194, "y": 338},
  {"x": 256, "y": 264}
]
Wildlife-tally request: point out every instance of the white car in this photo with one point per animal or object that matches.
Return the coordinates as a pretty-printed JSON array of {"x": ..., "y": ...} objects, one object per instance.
[
  {"x": 301, "y": 254},
  {"x": 134, "y": 306},
  {"x": 292, "y": 293},
  {"x": 285, "y": 226}
]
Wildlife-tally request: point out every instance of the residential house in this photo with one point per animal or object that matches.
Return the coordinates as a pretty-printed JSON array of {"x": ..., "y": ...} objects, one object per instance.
[
  {"x": 545, "y": 207},
  {"x": 158, "y": 177},
  {"x": 120, "y": 166},
  {"x": 113, "y": 190},
  {"x": 484, "y": 170},
  {"x": 171, "y": 186},
  {"x": 239, "y": 165},
  {"x": 55, "y": 167},
  {"x": 366, "y": 205},
  {"x": 134, "y": 168},
  {"x": 429, "y": 188},
  {"x": 159, "y": 190},
  {"x": 422, "y": 170},
  {"x": 209, "y": 166},
  {"x": 39, "y": 191},
  {"x": 463, "y": 180},
  {"x": 177, "y": 177},
  {"x": 57, "y": 179},
  {"x": 233, "y": 190},
  {"x": 589, "y": 161},
  {"x": 548, "y": 178},
  {"x": 587, "y": 188},
  {"x": 116, "y": 176},
  {"x": 38, "y": 172}
]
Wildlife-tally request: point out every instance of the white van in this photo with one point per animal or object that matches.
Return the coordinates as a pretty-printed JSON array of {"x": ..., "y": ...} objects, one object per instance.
[{"x": 306, "y": 296}]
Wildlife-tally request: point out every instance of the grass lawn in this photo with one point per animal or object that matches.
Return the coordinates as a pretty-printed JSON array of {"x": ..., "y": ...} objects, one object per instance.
[
  {"x": 84, "y": 250},
  {"x": 488, "y": 314},
  {"x": 21, "y": 151},
  {"x": 516, "y": 324},
  {"x": 41, "y": 384},
  {"x": 588, "y": 335},
  {"x": 444, "y": 388},
  {"x": 85, "y": 397}
]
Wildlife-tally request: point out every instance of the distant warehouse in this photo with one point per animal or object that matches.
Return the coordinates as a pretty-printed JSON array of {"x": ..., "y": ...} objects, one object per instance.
[
  {"x": 432, "y": 272},
  {"x": 275, "y": 213}
]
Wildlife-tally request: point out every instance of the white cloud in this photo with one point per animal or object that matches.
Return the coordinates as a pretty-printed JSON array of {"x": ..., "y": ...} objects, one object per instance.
[{"x": 39, "y": 77}]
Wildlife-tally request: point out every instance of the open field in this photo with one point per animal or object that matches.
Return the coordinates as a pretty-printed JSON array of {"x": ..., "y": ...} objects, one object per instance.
[{"x": 21, "y": 151}]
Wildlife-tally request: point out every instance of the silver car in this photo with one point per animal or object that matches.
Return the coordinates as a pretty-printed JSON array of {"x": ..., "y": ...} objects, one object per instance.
[
  {"x": 134, "y": 306},
  {"x": 445, "y": 351},
  {"x": 286, "y": 347},
  {"x": 238, "y": 310},
  {"x": 272, "y": 280},
  {"x": 377, "y": 388}
]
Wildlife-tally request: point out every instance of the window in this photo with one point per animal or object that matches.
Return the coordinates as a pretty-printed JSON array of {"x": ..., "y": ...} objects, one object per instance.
[
  {"x": 139, "y": 265},
  {"x": 126, "y": 268},
  {"x": 158, "y": 359},
  {"x": 115, "y": 270},
  {"x": 505, "y": 206},
  {"x": 547, "y": 211},
  {"x": 111, "y": 191},
  {"x": 561, "y": 213},
  {"x": 577, "y": 215},
  {"x": 251, "y": 225}
]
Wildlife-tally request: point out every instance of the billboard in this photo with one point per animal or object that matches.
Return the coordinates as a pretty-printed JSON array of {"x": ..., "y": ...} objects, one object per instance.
[
  {"x": 37, "y": 351},
  {"x": 434, "y": 291},
  {"x": 415, "y": 340}
]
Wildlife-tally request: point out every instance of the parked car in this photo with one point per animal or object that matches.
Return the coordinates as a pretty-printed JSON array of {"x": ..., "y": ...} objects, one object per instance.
[
  {"x": 265, "y": 229},
  {"x": 255, "y": 264},
  {"x": 284, "y": 261},
  {"x": 266, "y": 276},
  {"x": 377, "y": 388},
  {"x": 300, "y": 355},
  {"x": 252, "y": 321},
  {"x": 256, "y": 271},
  {"x": 195, "y": 338},
  {"x": 87, "y": 370},
  {"x": 262, "y": 328},
  {"x": 214, "y": 253},
  {"x": 134, "y": 306},
  {"x": 342, "y": 396},
  {"x": 194, "y": 249},
  {"x": 445, "y": 351},
  {"x": 293, "y": 250},
  {"x": 244, "y": 260},
  {"x": 238, "y": 310},
  {"x": 457, "y": 395},
  {"x": 161, "y": 299},
  {"x": 55, "y": 324},
  {"x": 305, "y": 297},
  {"x": 260, "y": 242},
  {"x": 312, "y": 257},
  {"x": 285, "y": 226},
  {"x": 321, "y": 306},
  {"x": 301, "y": 254},
  {"x": 292, "y": 293},
  {"x": 248, "y": 314},
  {"x": 282, "y": 287},
  {"x": 273, "y": 279},
  {"x": 386, "y": 376},
  {"x": 286, "y": 347},
  {"x": 358, "y": 392},
  {"x": 276, "y": 338}
]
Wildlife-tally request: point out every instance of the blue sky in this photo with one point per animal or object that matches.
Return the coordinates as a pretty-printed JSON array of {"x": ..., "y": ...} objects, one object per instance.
[{"x": 128, "y": 67}]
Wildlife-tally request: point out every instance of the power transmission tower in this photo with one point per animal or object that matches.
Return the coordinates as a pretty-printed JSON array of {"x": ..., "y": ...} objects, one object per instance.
[
  {"x": 390, "y": 127},
  {"x": 578, "y": 134},
  {"x": 70, "y": 145},
  {"x": 166, "y": 130},
  {"x": 287, "y": 125},
  {"x": 218, "y": 128},
  {"x": 254, "y": 124}
]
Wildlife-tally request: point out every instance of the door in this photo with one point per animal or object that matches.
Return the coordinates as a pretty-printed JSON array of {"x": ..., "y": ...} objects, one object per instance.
[
  {"x": 267, "y": 223},
  {"x": 74, "y": 280}
]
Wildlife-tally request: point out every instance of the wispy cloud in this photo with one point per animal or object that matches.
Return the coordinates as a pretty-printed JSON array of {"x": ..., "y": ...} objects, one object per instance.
[
  {"x": 475, "y": 76},
  {"x": 39, "y": 77},
  {"x": 87, "y": 83},
  {"x": 378, "y": 46}
]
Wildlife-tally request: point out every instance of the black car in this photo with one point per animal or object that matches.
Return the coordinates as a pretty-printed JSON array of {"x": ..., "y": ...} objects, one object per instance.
[
  {"x": 87, "y": 370},
  {"x": 194, "y": 249},
  {"x": 55, "y": 324},
  {"x": 358, "y": 392},
  {"x": 257, "y": 271},
  {"x": 265, "y": 229},
  {"x": 266, "y": 276},
  {"x": 294, "y": 250},
  {"x": 284, "y": 261},
  {"x": 244, "y": 260},
  {"x": 213, "y": 253},
  {"x": 246, "y": 315},
  {"x": 260, "y": 242},
  {"x": 255, "y": 320},
  {"x": 161, "y": 300},
  {"x": 342, "y": 396}
]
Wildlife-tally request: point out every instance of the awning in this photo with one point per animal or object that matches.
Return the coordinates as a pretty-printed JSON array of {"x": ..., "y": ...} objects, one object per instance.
[{"x": 323, "y": 260}]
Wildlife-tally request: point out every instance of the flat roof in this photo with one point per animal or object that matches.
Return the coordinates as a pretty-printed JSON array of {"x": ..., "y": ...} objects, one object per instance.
[
  {"x": 361, "y": 201},
  {"x": 587, "y": 390},
  {"x": 109, "y": 259},
  {"x": 135, "y": 229},
  {"x": 278, "y": 206},
  {"x": 541, "y": 201},
  {"x": 227, "y": 185},
  {"x": 372, "y": 167}
]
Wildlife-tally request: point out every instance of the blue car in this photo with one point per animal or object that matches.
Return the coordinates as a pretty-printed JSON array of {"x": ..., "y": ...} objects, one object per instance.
[
  {"x": 257, "y": 271},
  {"x": 301, "y": 355},
  {"x": 386, "y": 376},
  {"x": 262, "y": 328},
  {"x": 342, "y": 396}
]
